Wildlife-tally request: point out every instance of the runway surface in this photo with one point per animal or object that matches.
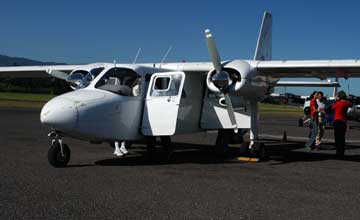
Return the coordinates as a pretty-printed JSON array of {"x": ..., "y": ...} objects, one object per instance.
[{"x": 293, "y": 184}]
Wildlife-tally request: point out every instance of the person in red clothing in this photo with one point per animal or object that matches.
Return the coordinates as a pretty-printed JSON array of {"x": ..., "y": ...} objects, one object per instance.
[
  {"x": 340, "y": 107},
  {"x": 313, "y": 120}
]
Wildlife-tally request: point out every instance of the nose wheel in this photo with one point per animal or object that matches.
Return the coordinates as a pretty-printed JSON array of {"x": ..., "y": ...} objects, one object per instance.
[{"x": 59, "y": 153}]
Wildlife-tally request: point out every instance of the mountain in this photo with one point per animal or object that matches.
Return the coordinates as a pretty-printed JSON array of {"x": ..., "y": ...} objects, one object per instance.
[{"x": 20, "y": 61}]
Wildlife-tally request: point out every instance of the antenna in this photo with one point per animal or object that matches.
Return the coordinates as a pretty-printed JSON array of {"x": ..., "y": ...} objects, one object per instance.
[
  {"x": 137, "y": 55},
  {"x": 114, "y": 63},
  {"x": 166, "y": 54}
]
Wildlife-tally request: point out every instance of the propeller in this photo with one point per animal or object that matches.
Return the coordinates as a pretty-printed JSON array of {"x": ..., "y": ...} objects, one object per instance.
[
  {"x": 57, "y": 74},
  {"x": 221, "y": 78},
  {"x": 74, "y": 80}
]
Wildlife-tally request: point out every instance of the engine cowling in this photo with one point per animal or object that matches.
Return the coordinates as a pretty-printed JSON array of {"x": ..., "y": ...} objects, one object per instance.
[{"x": 237, "y": 71}]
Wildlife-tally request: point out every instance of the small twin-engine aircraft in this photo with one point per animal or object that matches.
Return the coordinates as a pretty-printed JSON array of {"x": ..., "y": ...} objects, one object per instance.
[{"x": 132, "y": 102}]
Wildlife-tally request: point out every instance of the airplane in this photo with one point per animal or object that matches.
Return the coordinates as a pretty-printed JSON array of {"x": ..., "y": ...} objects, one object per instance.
[
  {"x": 292, "y": 99},
  {"x": 133, "y": 102}
]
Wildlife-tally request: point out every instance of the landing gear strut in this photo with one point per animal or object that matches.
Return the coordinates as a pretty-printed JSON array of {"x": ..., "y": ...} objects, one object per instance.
[
  {"x": 257, "y": 149},
  {"x": 59, "y": 152}
]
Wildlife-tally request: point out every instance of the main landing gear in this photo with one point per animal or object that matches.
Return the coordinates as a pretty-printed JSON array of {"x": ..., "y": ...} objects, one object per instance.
[
  {"x": 258, "y": 150},
  {"x": 165, "y": 142},
  {"x": 254, "y": 149},
  {"x": 59, "y": 152}
]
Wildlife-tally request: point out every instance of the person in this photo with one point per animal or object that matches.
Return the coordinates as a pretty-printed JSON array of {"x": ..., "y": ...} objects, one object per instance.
[
  {"x": 340, "y": 107},
  {"x": 313, "y": 121},
  {"x": 320, "y": 118},
  {"x": 120, "y": 150}
]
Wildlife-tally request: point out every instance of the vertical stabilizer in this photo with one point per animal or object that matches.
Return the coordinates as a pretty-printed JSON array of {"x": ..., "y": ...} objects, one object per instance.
[{"x": 264, "y": 44}]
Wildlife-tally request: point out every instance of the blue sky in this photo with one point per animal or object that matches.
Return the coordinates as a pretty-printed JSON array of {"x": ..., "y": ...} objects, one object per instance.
[{"x": 85, "y": 31}]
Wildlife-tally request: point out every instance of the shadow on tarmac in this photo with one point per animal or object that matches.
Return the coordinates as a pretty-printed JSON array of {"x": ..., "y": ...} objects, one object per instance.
[
  {"x": 278, "y": 153},
  {"x": 290, "y": 152}
]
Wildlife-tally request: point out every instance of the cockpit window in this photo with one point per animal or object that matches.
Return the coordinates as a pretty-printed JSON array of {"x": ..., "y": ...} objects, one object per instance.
[
  {"x": 121, "y": 81},
  {"x": 76, "y": 79},
  {"x": 91, "y": 76},
  {"x": 96, "y": 71}
]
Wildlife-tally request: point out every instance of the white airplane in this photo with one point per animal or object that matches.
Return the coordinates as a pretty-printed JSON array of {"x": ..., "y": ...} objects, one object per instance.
[{"x": 131, "y": 102}]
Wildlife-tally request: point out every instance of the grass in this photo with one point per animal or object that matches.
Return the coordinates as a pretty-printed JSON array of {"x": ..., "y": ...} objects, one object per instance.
[
  {"x": 30, "y": 97},
  {"x": 25, "y": 100},
  {"x": 280, "y": 109},
  {"x": 10, "y": 99}
]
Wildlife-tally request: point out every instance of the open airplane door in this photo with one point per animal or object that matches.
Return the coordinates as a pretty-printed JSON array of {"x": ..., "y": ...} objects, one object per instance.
[{"x": 162, "y": 103}]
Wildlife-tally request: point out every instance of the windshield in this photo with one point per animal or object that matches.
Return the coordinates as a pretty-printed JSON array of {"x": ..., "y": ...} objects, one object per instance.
[
  {"x": 121, "y": 81},
  {"x": 91, "y": 76}
]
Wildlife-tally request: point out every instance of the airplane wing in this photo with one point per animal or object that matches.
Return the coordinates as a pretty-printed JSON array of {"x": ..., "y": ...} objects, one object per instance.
[
  {"x": 36, "y": 71},
  {"x": 307, "y": 84},
  {"x": 310, "y": 68}
]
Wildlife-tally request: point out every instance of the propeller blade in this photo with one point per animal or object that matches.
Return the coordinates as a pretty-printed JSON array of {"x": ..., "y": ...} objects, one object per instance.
[
  {"x": 231, "y": 113},
  {"x": 57, "y": 74},
  {"x": 214, "y": 54}
]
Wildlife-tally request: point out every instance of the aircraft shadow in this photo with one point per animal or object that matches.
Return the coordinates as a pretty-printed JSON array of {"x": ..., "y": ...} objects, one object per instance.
[
  {"x": 278, "y": 153},
  {"x": 290, "y": 152},
  {"x": 183, "y": 153}
]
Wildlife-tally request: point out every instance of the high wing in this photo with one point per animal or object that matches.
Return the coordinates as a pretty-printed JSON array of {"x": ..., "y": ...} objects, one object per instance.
[
  {"x": 310, "y": 68},
  {"x": 307, "y": 84},
  {"x": 35, "y": 71}
]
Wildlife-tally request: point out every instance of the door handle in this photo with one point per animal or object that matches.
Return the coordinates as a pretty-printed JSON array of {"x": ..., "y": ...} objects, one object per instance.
[{"x": 169, "y": 99}]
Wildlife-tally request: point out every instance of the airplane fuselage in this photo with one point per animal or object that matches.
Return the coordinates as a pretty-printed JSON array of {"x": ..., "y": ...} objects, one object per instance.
[{"x": 97, "y": 114}]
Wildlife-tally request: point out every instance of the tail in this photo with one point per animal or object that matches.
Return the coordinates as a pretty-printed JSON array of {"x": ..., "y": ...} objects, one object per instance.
[{"x": 264, "y": 44}]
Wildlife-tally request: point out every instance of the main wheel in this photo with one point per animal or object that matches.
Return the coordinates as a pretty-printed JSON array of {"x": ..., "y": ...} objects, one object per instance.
[
  {"x": 259, "y": 151},
  {"x": 56, "y": 158}
]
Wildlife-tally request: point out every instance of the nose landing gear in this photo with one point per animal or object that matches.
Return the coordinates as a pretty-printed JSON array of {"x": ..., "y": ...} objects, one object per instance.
[{"x": 59, "y": 152}]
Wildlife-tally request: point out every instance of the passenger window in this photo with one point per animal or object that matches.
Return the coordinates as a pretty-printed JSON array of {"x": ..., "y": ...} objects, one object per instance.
[
  {"x": 166, "y": 85},
  {"x": 162, "y": 83}
]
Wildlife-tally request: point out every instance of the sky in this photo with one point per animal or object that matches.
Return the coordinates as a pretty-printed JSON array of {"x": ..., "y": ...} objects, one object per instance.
[{"x": 102, "y": 31}]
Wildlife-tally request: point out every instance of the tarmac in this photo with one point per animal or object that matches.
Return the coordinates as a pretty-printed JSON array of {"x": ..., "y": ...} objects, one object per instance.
[{"x": 294, "y": 183}]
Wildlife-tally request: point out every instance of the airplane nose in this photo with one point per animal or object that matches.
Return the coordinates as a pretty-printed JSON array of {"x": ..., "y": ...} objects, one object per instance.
[{"x": 59, "y": 114}]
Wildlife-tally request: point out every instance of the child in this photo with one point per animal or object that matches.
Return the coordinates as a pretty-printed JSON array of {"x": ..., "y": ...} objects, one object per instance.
[{"x": 320, "y": 118}]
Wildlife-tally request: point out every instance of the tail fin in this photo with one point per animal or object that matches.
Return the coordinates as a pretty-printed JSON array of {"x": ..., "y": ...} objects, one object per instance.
[{"x": 264, "y": 44}]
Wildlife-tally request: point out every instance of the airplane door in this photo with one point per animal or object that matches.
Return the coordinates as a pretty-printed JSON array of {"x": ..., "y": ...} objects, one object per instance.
[{"x": 162, "y": 103}]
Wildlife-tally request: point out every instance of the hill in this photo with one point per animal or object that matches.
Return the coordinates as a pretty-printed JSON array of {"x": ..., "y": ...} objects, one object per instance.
[{"x": 20, "y": 61}]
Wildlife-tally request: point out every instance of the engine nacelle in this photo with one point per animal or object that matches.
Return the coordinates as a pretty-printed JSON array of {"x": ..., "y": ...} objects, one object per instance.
[{"x": 238, "y": 72}]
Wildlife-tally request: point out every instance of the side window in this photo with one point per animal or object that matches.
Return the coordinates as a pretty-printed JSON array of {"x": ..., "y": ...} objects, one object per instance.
[
  {"x": 166, "y": 85},
  {"x": 162, "y": 83}
]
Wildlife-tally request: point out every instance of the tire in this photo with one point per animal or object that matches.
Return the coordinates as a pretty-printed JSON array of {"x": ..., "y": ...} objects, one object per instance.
[
  {"x": 301, "y": 122},
  {"x": 54, "y": 155},
  {"x": 307, "y": 110},
  {"x": 259, "y": 151}
]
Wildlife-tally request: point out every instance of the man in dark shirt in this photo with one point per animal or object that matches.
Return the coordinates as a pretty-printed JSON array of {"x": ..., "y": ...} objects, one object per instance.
[{"x": 340, "y": 107}]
